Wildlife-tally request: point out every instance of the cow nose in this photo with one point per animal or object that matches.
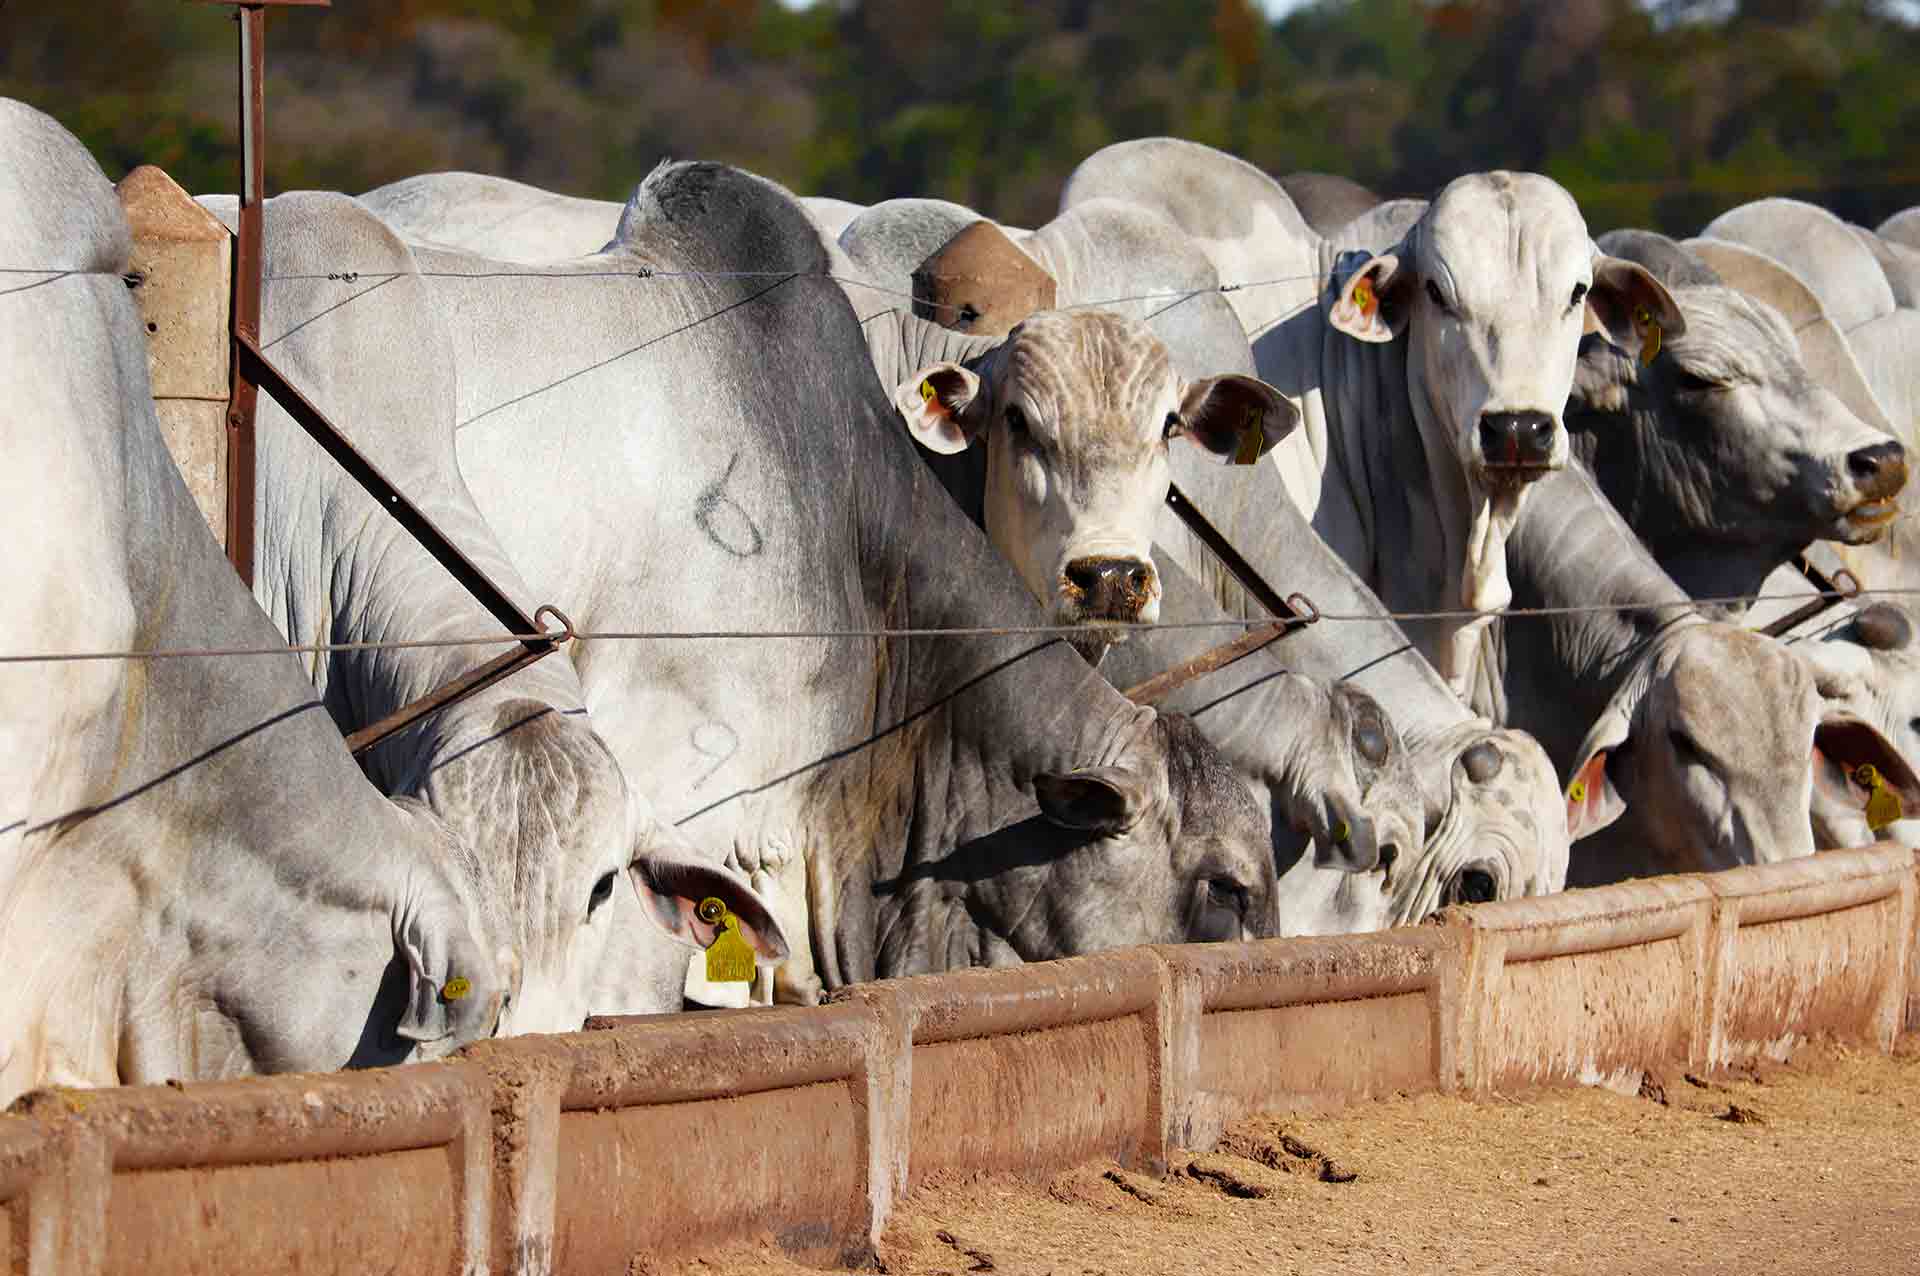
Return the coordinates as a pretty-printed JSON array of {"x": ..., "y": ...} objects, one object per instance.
[
  {"x": 1111, "y": 588},
  {"x": 1879, "y": 471},
  {"x": 1516, "y": 438}
]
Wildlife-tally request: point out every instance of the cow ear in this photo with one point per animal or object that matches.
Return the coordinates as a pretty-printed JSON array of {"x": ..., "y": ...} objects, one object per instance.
[
  {"x": 1843, "y": 747},
  {"x": 1372, "y": 304},
  {"x": 1105, "y": 800},
  {"x": 1631, "y": 309},
  {"x": 1840, "y": 668},
  {"x": 1236, "y": 418},
  {"x": 674, "y": 882},
  {"x": 943, "y": 407},
  {"x": 1593, "y": 799},
  {"x": 448, "y": 992}
]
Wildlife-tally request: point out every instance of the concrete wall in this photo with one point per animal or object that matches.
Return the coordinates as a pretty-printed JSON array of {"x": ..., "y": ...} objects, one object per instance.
[{"x": 666, "y": 1134}]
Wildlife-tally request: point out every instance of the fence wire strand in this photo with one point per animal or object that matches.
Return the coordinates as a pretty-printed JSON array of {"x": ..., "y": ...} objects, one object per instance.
[{"x": 562, "y": 637}]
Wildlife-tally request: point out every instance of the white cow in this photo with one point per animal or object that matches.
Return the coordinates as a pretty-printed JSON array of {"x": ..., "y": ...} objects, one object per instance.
[
  {"x": 195, "y": 879},
  {"x": 517, "y": 768}
]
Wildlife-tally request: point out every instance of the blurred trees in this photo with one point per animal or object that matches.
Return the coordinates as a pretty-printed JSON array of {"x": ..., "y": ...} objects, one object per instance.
[{"x": 1653, "y": 112}]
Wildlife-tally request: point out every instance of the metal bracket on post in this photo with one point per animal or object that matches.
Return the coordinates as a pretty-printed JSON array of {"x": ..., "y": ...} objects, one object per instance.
[
  {"x": 1290, "y": 613},
  {"x": 252, "y": 18}
]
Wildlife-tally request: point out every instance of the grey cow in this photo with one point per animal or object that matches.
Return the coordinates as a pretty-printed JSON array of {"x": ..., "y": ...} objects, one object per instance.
[
  {"x": 197, "y": 880},
  {"x": 1723, "y": 454},
  {"x": 717, "y": 455}
]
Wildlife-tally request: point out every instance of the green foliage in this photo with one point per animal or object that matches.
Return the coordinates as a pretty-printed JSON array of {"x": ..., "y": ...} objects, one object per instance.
[{"x": 1653, "y": 112}]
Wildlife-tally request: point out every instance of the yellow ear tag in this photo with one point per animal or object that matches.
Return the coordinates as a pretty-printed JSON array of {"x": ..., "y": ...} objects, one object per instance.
[
  {"x": 926, "y": 391},
  {"x": 730, "y": 957},
  {"x": 1577, "y": 792},
  {"x": 1253, "y": 437},
  {"x": 1649, "y": 336},
  {"x": 1883, "y": 804},
  {"x": 456, "y": 988},
  {"x": 1341, "y": 833},
  {"x": 1363, "y": 299}
]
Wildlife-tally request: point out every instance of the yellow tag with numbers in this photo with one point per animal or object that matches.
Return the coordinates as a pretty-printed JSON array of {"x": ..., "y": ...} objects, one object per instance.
[{"x": 456, "y": 988}]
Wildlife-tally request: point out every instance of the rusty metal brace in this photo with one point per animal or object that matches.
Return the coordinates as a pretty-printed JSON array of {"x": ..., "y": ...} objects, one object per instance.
[
  {"x": 253, "y": 372},
  {"x": 1834, "y": 590},
  {"x": 1295, "y": 611}
]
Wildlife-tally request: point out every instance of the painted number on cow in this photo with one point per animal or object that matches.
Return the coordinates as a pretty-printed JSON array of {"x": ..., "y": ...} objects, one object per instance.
[
  {"x": 725, "y": 523},
  {"x": 714, "y": 740}
]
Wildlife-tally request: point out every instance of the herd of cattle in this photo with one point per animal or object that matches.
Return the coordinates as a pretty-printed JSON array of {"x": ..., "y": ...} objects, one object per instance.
[{"x": 685, "y": 414}]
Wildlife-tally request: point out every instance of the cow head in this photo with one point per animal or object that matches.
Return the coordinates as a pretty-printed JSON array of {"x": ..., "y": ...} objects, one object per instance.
[
  {"x": 1345, "y": 782},
  {"x": 1868, "y": 671},
  {"x": 1719, "y": 776},
  {"x": 1723, "y": 439},
  {"x": 1076, "y": 411},
  {"x": 1493, "y": 288},
  {"x": 1497, "y": 830},
  {"x": 1159, "y": 842},
  {"x": 548, "y": 809}
]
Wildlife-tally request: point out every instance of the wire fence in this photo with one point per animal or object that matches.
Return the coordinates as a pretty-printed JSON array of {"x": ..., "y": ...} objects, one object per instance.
[{"x": 565, "y": 636}]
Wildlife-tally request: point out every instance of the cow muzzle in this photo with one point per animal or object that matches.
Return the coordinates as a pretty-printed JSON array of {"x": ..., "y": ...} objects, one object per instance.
[
  {"x": 1122, "y": 590},
  {"x": 1517, "y": 447},
  {"x": 1877, "y": 474}
]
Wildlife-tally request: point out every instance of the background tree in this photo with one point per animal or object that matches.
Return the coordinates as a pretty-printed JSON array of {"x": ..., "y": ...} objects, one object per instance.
[{"x": 1653, "y": 112}]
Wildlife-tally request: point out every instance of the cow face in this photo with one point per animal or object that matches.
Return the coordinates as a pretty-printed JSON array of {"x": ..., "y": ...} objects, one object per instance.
[
  {"x": 1346, "y": 783},
  {"x": 1494, "y": 287},
  {"x": 544, "y": 803},
  {"x": 1076, "y": 411},
  {"x": 1721, "y": 777},
  {"x": 1499, "y": 831},
  {"x": 1162, "y": 843},
  {"x": 1723, "y": 438},
  {"x": 1868, "y": 671}
]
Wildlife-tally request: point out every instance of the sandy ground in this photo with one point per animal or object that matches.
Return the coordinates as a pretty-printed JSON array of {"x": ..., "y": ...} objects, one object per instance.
[{"x": 1812, "y": 1167}]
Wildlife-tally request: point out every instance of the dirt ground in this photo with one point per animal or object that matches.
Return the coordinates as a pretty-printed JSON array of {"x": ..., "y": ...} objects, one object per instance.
[{"x": 1811, "y": 1167}]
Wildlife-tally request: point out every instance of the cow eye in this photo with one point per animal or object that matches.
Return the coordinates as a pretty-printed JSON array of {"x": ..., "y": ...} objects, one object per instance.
[
  {"x": 1433, "y": 295},
  {"x": 1222, "y": 911},
  {"x": 602, "y": 892},
  {"x": 1579, "y": 294},
  {"x": 1693, "y": 383},
  {"x": 1016, "y": 419},
  {"x": 1173, "y": 428},
  {"x": 1372, "y": 742}
]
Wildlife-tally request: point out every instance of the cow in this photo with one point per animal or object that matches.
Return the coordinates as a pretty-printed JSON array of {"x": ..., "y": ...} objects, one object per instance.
[
  {"x": 499, "y": 217},
  {"x": 710, "y": 451},
  {"x": 516, "y": 767},
  {"x": 196, "y": 880},
  {"x": 1819, "y": 247},
  {"x": 1868, "y": 666},
  {"x": 1725, "y": 457}
]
